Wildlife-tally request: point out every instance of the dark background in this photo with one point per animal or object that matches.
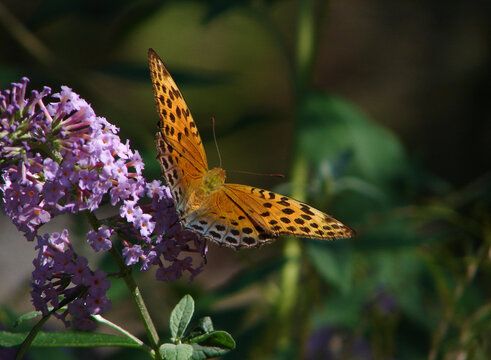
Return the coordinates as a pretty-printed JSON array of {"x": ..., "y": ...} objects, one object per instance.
[{"x": 391, "y": 116}]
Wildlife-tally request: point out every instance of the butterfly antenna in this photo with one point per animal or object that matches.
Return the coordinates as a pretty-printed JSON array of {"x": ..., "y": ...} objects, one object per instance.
[
  {"x": 216, "y": 143},
  {"x": 254, "y": 173}
]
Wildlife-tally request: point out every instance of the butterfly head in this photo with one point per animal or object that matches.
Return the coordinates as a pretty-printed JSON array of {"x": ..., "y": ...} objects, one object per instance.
[{"x": 213, "y": 180}]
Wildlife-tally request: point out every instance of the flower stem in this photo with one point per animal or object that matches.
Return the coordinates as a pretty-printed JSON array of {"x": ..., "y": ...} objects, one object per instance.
[
  {"x": 116, "y": 327},
  {"x": 39, "y": 325},
  {"x": 133, "y": 288},
  {"x": 30, "y": 337}
]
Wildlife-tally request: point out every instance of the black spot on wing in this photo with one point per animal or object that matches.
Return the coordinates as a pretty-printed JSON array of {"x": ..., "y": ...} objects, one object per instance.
[
  {"x": 249, "y": 240},
  {"x": 231, "y": 240},
  {"x": 247, "y": 230}
]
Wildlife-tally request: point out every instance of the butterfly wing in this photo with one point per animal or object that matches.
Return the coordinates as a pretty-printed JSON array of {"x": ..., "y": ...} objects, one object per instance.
[
  {"x": 282, "y": 215},
  {"x": 181, "y": 153},
  {"x": 221, "y": 220}
]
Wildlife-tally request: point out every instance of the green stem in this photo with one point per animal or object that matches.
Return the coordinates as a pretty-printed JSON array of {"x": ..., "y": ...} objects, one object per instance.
[
  {"x": 305, "y": 45},
  {"x": 134, "y": 290},
  {"x": 138, "y": 299},
  {"x": 116, "y": 327},
  {"x": 30, "y": 337},
  {"x": 472, "y": 268},
  {"x": 37, "y": 328},
  {"x": 292, "y": 252}
]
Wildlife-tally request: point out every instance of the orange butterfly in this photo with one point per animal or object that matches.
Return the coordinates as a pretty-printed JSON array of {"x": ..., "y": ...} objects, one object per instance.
[{"x": 229, "y": 214}]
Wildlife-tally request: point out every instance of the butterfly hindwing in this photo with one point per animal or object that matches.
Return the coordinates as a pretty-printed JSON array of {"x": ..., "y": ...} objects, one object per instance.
[
  {"x": 282, "y": 215},
  {"x": 221, "y": 220},
  {"x": 180, "y": 180}
]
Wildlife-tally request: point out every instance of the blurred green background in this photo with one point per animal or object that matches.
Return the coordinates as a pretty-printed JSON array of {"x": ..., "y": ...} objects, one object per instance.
[{"x": 376, "y": 111}]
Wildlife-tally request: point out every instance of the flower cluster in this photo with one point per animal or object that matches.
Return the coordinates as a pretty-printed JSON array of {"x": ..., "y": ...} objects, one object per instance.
[
  {"x": 59, "y": 157},
  {"x": 60, "y": 274},
  {"x": 161, "y": 236}
]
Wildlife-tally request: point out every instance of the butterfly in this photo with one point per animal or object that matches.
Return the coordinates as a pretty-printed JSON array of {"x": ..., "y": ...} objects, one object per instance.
[{"x": 238, "y": 216}]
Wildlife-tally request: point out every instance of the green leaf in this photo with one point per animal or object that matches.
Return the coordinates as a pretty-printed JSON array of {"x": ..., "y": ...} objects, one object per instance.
[
  {"x": 206, "y": 352},
  {"x": 176, "y": 352},
  {"x": 331, "y": 127},
  {"x": 344, "y": 310},
  {"x": 181, "y": 316},
  {"x": 66, "y": 339},
  {"x": 215, "y": 338},
  {"x": 210, "y": 345},
  {"x": 334, "y": 263},
  {"x": 206, "y": 324}
]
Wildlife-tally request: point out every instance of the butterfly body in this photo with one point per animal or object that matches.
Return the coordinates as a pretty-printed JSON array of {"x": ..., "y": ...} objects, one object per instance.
[
  {"x": 212, "y": 181},
  {"x": 234, "y": 215}
]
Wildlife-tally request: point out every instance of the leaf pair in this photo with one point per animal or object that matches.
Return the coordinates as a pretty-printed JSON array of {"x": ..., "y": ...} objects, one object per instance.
[{"x": 203, "y": 342}]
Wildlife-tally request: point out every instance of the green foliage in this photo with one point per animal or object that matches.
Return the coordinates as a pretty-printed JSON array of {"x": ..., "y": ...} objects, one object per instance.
[
  {"x": 181, "y": 316},
  {"x": 66, "y": 339},
  {"x": 176, "y": 352},
  {"x": 203, "y": 342},
  {"x": 333, "y": 130}
]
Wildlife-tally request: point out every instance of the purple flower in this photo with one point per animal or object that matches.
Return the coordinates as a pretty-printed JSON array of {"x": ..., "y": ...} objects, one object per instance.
[
  {"x": 384, "y": 302},
  {"x": 331, "y": 343},
  {"x": 130, "y": 211},
  {"x": 132, "y": 254},
  {"x": 145, "y": 224},
  {"x": 99, "y": 240},
  {"x": 169, "y": 249},
  {"x": 170, "y": 273},
  {"x": 79, "y": 270},
  {"x": 98, "y": 284},
  {"x": 53, "y": 192},
  {"x": 50, "y": 169},
  {"x": 59, "y": 274}
]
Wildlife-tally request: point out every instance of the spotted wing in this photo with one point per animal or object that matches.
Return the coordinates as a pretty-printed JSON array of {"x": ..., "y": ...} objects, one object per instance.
[
  {"x": 181, "y": 153},
  {"x": 222, "y": 220},
  {"x": 281, "y": 215}
]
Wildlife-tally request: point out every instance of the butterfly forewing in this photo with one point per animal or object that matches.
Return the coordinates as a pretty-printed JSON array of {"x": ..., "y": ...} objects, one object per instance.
[
  {"x": 176, "y": 123},
  {"x": 282, "y": 215},
  {"x": 181, "y": 153}
]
